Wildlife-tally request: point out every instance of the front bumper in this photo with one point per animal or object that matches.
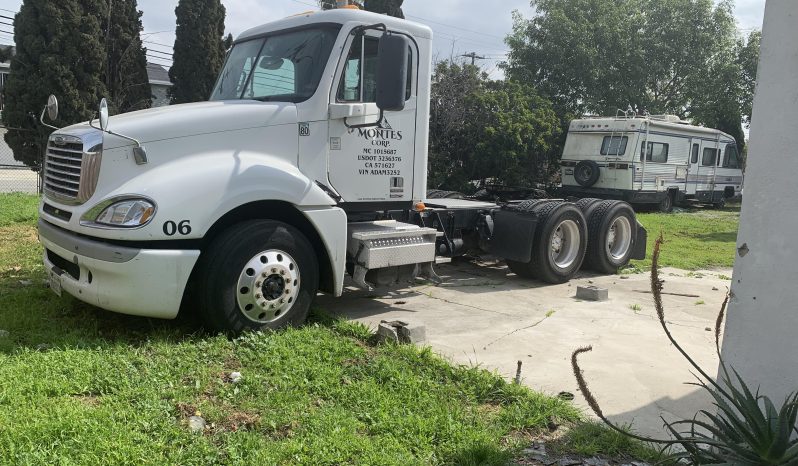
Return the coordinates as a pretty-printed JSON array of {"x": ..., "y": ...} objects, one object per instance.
[{"x": 142, "y": 282}]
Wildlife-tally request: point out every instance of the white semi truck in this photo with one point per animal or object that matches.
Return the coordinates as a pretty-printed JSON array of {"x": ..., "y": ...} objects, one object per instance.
[{"x": 308, "y": 162}]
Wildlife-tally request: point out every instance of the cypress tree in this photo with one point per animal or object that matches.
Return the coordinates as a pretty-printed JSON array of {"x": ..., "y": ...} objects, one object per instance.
[
  {"x": 385, "y": 7},
  {"x": 126, "y": 66},
  {"x": 59, "y": 51},
  {"x": 199, "y": 50}
]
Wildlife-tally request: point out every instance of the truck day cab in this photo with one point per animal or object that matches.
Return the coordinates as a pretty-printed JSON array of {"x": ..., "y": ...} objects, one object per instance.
[{"x": 309, "y": 162}]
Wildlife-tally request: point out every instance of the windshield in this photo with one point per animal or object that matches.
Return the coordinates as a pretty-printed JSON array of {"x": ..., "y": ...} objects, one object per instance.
[{"x": 287, "y": 66}]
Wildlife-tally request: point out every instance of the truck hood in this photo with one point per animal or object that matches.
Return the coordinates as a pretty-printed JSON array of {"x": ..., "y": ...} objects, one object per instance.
[{"x": 184, "y": 120}]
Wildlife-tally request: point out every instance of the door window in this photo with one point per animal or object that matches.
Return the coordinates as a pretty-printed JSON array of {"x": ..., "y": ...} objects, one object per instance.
[
  {"x": 694, "y": 154},
  {"x": 657, "y": 152},
  {"x": 359, "y": 80},
  {"x": 709, "y": 157}
]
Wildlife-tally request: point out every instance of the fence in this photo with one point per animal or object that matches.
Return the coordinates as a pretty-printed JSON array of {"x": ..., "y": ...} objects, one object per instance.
[{"x": 14, "y": 175}]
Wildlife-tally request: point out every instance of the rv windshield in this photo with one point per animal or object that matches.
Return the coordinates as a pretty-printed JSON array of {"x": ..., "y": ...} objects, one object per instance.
[{"x": 285, "y": 67}]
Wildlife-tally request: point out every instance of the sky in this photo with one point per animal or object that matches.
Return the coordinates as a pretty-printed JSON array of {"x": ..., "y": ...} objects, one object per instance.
[{"x": 460, "y": 26}]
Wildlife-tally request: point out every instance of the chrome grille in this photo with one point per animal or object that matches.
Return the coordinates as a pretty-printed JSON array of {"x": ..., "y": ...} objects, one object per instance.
[{"x": 70, "y": 171}]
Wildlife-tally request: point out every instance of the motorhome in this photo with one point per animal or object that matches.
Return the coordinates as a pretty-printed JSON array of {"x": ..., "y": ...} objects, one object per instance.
[{"x": 659, "y": 160}]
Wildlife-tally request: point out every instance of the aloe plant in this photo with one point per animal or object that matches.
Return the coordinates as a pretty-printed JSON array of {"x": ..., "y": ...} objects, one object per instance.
[{"x": 745, "y": 429}]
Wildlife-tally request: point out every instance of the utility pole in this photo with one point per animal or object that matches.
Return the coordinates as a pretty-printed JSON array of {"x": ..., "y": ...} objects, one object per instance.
[{"x": 474, "y": 57}]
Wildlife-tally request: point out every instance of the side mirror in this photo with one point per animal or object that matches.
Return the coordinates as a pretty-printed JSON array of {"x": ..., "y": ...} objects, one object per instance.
[
  {"x": 392, "y": 72},
  {"x": 104, "y": 114},
  {"x": 52, "y": 108}
]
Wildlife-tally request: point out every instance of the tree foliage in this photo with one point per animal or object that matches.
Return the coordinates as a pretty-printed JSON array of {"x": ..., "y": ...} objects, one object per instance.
[
  {"x": 126, "y": 66},
  {"x": 199, "y": 49},
  {"x": 59, "y": 51},
  {"x": 660, "y": 56},
  {"x": 385, "y": 7},
  {"x": 483, "y": 130}
]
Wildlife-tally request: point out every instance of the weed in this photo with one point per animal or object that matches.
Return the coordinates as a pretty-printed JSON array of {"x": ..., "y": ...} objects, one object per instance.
[{"x": 747, "y": 429}]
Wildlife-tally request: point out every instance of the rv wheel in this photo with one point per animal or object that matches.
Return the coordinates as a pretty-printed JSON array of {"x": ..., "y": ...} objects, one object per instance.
[
  {"x": 666, "y": 204},
  {"x": 612, "y": 230}
]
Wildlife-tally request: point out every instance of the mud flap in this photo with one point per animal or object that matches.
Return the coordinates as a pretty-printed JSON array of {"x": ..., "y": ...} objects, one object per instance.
[{"x": 639, "y": 247}]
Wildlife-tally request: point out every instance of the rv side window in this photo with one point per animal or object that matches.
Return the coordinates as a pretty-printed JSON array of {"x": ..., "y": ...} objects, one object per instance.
[
  {"x": 730, "y": 158},
  {"x": 709, "y": 157},
  {"x": 657, "y": 152},
  {"x": 694, "y": 154},
  {"x": 614, "y": 145}
]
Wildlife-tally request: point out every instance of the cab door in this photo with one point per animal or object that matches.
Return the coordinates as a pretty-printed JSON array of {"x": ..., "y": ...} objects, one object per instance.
[{"x": 370, "y": 163}]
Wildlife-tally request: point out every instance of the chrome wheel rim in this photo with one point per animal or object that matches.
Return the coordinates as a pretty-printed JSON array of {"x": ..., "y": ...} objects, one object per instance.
[
  {"x": 619, "y": 238},
  {"x": 565, "y": 242},
  {"x": 268, "y": 286}
]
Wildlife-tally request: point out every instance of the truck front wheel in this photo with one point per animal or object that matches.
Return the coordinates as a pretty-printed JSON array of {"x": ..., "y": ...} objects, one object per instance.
[{"x": 260, "y": 274}]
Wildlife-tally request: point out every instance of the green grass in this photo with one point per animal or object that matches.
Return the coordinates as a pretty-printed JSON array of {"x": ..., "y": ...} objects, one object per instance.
[
  {"x": 698, "y": 239},
  {"x": 591, "y": 439},
  {"x": 82, "y": 386}
]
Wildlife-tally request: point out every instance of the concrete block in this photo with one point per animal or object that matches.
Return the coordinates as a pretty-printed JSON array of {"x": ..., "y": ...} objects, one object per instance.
[
  {"x": 387, "y": 333},
  {"x": 592, "y": 293},
  {"x": 412, "y": 333},
  {"x": 401, "y": 332}
]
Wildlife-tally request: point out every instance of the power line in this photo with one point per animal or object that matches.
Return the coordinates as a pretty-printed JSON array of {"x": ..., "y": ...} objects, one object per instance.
[
  {"x": 455, "y": 27},
  {"x": 158, "y": 51}
]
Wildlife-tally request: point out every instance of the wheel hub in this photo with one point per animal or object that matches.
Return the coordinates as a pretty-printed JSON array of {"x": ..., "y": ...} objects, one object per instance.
[
  {"x": 268, "y": 286},
  {"x": 565, "y": 244},
  {"x": 619, "y": 238}
]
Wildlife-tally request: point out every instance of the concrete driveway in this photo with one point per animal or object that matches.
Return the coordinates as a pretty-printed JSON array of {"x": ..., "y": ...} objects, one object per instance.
[{"x": 484, "y": 315}]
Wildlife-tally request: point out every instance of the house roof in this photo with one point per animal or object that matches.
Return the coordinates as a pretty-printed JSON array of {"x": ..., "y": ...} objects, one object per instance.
[{"x": 157, "y": 74}]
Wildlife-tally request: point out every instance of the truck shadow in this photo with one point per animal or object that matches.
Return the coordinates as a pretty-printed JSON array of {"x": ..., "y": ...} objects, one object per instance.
[{"x": 32, "y": 317}]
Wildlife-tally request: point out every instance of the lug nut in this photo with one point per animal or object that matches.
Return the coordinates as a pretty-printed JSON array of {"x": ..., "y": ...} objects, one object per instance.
[
  {"x": 282, "y": 272},
  {"x": 282, "y": 301},
  {"x": 287, "y": 291},
  {"x": 264, "y": 275},
  {"x": 257, "y": 284},
  {"x": 257, "y": 296},
  {"x": 263, "y": 305},
  {"x": 274, "y": 270}
]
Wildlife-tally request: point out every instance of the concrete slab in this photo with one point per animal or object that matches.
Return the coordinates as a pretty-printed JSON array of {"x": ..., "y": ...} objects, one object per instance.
[{"x": 484, "y": 315}]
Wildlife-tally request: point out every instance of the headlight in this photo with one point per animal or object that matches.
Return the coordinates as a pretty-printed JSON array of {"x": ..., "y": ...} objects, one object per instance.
[
  {"x": 133, "y": 213},
  {"x": 122, "y": 213}
]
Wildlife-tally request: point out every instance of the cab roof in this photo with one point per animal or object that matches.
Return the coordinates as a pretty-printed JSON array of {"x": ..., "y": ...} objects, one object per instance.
[{"x": 339, "y": 16}]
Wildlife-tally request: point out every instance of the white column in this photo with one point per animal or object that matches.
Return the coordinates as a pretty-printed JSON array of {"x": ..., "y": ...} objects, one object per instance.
[{"x": 761, "y": 335}]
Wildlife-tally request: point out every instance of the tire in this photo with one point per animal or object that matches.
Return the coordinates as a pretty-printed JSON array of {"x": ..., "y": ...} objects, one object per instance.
[
  {"x": 666, "y": 204},
  {"x": 612, "y": 229},
  {"x": 259, "y": 274},
  {"x": 587, "y": 173},
  {"x": 586, "y": 203},
  {"x": 720, "y": 204},
  {"x": 562, "y": 222}
]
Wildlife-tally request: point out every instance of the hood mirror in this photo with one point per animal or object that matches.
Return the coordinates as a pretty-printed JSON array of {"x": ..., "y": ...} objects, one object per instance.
[
  {"x": 139, "y": 152},
  {"x": 104, "y": 114},
  {"x": 52, "y": 108}
]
